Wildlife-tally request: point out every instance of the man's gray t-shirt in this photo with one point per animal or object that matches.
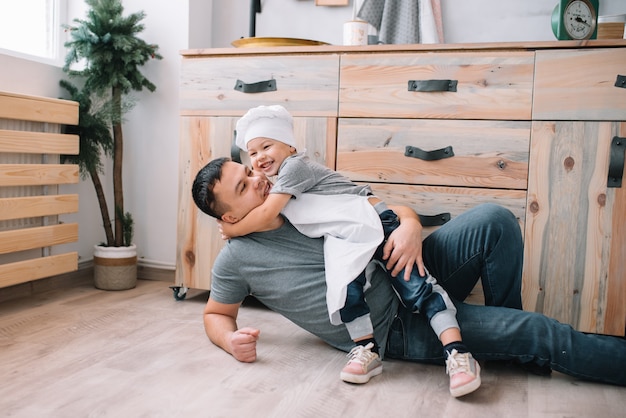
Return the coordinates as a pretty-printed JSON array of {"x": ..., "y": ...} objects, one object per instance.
[{"x": 284, "y": 270}]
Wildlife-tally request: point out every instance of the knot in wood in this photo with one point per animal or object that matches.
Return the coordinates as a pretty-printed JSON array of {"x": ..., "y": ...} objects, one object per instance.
[
  {"x": 534, "y": 207},
  {"x": 190, "y": 256}
]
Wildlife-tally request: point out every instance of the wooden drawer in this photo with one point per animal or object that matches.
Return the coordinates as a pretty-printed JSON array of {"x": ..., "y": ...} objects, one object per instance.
[
  {"x": 305, "y": 84},
  {"x": 490, "y": 85},
  {"x": 580, "y": 85},
  {"x": 428, "y": 200},
  {"x": 492, "y": 154}
]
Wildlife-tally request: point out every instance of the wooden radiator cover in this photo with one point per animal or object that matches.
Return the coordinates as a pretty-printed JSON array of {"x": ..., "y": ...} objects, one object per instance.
[{"x": 31, "y": 143}]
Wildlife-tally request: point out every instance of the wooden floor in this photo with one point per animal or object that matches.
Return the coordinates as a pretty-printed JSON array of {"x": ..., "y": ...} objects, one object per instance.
[{"x": 84, "y": 352}]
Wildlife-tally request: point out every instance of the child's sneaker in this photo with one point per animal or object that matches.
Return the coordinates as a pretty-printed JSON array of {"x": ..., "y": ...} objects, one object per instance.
[
  {"x": 464, "y": 373},
  {"x": 363, "y": 365}
]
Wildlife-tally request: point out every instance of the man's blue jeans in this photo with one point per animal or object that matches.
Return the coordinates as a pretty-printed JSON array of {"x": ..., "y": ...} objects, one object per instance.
[{"x": 485, "y": 243}]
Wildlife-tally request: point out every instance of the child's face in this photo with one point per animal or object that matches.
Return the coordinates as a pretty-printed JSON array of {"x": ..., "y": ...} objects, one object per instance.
[{"x": 268, "y": 154}]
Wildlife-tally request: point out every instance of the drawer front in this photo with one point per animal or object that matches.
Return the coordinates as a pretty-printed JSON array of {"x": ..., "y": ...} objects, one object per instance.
[
  {"x": 580, "y": 85},
  {"x": 492, "y": 154},
  {"x": 305, "y": 85},
  {"x": 428, "y": 200},
  {"x": 489, "y": 85}
]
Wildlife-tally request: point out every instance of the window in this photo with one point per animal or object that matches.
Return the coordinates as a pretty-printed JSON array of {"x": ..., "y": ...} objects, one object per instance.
[{"x": 32, "y": 27}]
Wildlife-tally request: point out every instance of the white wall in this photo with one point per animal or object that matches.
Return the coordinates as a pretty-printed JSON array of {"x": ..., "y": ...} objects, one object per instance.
[
  {"x": 151, "y": 136},
  {"x": 151, "y": 130},
  {"x": 463, "y": 20},
  {"x": 24, "y": 76}
]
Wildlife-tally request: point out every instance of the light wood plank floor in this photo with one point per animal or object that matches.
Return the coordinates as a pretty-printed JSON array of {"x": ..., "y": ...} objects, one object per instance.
[{"x": 82, "y": 352}]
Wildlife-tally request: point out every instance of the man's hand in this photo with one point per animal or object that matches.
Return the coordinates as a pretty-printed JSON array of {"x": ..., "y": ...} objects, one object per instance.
[
  {"x": 220, "y": 323},
  {"x": 403, "y": 249},
  {"x": 243, "y": 344}
]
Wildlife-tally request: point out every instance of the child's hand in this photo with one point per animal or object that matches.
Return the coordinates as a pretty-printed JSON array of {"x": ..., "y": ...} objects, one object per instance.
[{"x": 220, "y": 227}]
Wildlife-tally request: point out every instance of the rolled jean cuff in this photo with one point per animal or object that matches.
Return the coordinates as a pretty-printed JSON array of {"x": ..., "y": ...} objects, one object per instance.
[
  {"x": 360, "y": 327},
  {"x": 444, "y": 320}
]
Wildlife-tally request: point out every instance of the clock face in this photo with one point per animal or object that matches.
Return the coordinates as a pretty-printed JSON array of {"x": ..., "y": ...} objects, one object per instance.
[{"x": 579, "y": 19}]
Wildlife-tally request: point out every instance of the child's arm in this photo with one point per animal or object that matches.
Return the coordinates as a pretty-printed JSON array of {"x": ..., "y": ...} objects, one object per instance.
[{"x": 259, "y": 218}]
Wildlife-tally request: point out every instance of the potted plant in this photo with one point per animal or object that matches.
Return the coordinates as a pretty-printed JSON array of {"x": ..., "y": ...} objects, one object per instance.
[{"x": 106, "y": 43}]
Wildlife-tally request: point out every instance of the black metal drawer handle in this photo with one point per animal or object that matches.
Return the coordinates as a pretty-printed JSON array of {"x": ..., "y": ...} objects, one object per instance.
[
  {"x": 259, "y": 87},
  {"x": 438, "y": 154},
  {"x": 616, "y": 162},
  {"x": 620, "y": 81},
  {"x": 434, "y": 220},
  {"x": 235, "y": 152},
  {"x": 432, "y": 85}
]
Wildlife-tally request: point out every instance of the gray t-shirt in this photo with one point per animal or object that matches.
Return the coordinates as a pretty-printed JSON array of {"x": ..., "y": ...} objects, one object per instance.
[
  {"x": 284, "y": 270},
  {"x": 298, "y": 174}
]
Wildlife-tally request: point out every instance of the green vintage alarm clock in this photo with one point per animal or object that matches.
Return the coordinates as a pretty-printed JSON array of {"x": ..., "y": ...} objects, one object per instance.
[{"x": 575, "y": 19}]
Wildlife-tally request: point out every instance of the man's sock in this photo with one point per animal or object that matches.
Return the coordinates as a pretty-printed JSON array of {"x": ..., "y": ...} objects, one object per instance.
[
  {"x": 457, "y": 345},
  {"x": 366, "y": 342}
]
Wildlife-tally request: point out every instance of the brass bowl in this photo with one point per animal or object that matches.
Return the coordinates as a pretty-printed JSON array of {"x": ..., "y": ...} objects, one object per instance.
[{"x": 257, "y": 42}]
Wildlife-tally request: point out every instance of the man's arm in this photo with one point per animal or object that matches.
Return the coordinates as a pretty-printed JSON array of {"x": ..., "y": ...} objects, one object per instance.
[
  {"x": 404, "y": 246},
  {"x": 220, "y": 324},
  {"x": 260, "y": 218}
]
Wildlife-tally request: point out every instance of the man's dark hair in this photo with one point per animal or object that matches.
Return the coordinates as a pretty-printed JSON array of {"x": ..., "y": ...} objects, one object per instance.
[{"x": 202, "y": 188}]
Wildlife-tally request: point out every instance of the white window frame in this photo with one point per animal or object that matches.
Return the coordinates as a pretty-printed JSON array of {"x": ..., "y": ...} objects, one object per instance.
[{"x": 56, "y": 36}]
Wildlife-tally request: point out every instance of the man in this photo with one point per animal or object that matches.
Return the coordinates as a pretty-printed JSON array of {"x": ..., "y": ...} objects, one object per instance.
[{"x": 285, "y": 271}]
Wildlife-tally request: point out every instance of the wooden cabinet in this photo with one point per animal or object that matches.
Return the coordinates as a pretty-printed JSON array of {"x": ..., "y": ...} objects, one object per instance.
[
  {"x": 575, "y": 224},
  {"x": 527, "y": 126}
]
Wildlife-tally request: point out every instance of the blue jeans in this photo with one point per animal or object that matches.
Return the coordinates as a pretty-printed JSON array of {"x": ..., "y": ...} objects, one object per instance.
[
  {"x": 485, "y": 243},
  {"x": 419, "y": 294}
]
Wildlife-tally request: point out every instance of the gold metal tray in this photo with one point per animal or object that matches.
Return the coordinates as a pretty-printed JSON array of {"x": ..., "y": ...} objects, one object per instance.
[{"x": 268, "y": 41}]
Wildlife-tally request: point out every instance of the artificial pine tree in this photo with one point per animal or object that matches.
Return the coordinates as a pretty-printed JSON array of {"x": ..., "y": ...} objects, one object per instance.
[
  {"x": 107, "y": 42},
  {"x": 94, "y": 132}
]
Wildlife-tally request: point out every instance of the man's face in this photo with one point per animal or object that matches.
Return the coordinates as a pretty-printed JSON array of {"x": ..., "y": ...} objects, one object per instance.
[{"x": 240, "y": 189}]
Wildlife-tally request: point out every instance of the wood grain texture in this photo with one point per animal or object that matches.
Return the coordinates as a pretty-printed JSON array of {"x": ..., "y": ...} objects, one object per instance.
[
  {"x": 37, "y": 268},
  {"x": 404, "y": 48},
  {"x": 82, "y": 352},
  {"x": 432, "y": 200},
  {"x": 45, "y": 236},
  {"x": 570, "y": 225},
  {"x": 38, "y": 142},
  {"x": 38, "y": 109},
  {"x": 486, "y": 153},
  {"x": 30, "y": 174},
  {"x": 579, "y": 85},
  {"x": 34, "y": 206},
  {"x": 616, "y": 286},
  {"x": 38, "y": 174},
  {"x": 491, "y": 85},
  {"x": 305, "y": 85}
]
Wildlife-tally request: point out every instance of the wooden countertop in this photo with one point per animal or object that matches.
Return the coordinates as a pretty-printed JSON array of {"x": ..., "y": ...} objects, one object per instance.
[{"x": 326, "y": 49}]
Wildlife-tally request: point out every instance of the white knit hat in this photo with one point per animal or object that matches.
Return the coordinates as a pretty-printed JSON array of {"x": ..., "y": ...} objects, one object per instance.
[{"x": 272, "y": 122}]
